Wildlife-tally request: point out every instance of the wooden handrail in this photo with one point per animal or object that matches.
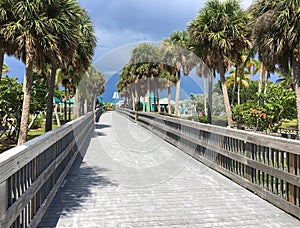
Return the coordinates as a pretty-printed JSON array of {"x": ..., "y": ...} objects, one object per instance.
[
  {"x": 267, "y": 165},
  {"x": 31, "y": 174}
]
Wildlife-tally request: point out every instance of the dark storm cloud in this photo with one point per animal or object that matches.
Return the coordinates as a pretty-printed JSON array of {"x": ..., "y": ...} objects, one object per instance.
[{"x": 121, "y": 22}]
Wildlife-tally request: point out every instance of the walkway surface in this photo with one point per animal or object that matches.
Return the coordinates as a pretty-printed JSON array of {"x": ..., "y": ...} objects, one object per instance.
[{"x": 131, "y": 178}]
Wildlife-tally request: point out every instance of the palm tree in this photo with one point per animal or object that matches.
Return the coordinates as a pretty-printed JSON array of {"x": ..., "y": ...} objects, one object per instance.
[
  {"x": 219, "y": 36},
  {"x": 175, "y": 53},
  {"x": 77, "y": 47},
  {"x": 146, "y": 60},
  {"x": 5, "y": 69},
  {"x": 37, "y": 32},
  {"x": 92, "y": 85},
  {"x": 286, "y": 79},
  {"x": 183, "y": 59},
  {"x": 127, "y": 77},
  {"x": 6, "y": 46},
  {"x": 205, "y": 72},
  {"x": 168, "y": 73},
  {"x": 240, "y": 78},
  {"x": 276, "y": 35}
]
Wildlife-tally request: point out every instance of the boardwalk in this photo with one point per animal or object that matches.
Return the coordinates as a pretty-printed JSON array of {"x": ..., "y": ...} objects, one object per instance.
[{"x": 131, "y": 178}]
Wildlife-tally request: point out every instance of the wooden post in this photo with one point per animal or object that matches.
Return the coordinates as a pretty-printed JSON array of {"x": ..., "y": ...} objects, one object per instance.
[
  {"x": 292, "y": 170},
  {"x": 136, "y": 116},
  {"x": 34, "y": 174},
  {"x": 3, "y": 200},
  {"x": 248, "y": 154}
]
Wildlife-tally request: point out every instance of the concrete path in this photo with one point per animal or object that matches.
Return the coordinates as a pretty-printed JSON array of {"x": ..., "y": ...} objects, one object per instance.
[{"x": 131, "y": 178}]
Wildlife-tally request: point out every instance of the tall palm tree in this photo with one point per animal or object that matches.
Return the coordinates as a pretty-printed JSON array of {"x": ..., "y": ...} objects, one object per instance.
[
  {"x": 175, "y": 53},
  {"x": 183, "y": 59},
  {"x": 169, "y": 70},
  {"x": 146, "y": 59},
  {"x": 92, "y": 85},
  {"x": 5, "y": 69},
  {"x": 204, "y": 71},
  {"x": 219, "y": 34},
  {"x": 37, "y": 32},
  {"x": 77, "y": 47},
  {"x": 127, "y": 78},
  {"x": 276, "y": 35},
  {"x": 286, "y": 79},
  {"x": 65, "y": 21},
  {"x": 240, "y": 78},
  {"x": 6, "y": 46},
  {"x": 168, "y": 74}
]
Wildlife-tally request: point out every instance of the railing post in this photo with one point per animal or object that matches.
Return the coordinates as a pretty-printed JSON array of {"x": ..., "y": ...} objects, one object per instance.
[
  {"x": 248, "y": 154},
  {"x": 34, "y": 176},
  {"x": 292, "y": 169},
  {"x": 3, "y": 200},
  {"x": 136, "y": 116}
]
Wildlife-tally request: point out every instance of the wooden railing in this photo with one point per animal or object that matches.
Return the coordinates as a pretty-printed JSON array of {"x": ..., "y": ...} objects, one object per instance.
[
  {"x": 31, "y": 174},
  {"x": 269, "y": 166}
]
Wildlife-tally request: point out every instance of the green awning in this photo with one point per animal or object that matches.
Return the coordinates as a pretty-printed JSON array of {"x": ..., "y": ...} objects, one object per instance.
[
  {"x": 71, "y": 100},
  {"x": 56, "y": 100}
]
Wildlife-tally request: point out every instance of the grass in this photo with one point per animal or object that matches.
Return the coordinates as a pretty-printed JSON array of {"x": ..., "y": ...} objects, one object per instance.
[
  {"x": 33, "y": 133},
  {"x": 289, "y": 124},
  {"x": 219, "y": 121}
]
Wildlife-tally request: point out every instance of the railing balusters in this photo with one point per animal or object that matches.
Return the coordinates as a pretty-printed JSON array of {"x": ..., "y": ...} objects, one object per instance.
[
  {"x": 34, "y": 173},
  {"x": 266, "y": 165}
]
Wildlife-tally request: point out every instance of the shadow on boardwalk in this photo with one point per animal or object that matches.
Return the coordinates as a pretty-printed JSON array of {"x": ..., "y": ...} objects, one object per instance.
[{"x": 76, "y": 188}]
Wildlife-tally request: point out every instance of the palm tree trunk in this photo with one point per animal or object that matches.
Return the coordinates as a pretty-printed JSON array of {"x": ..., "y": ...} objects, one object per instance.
[
  {"x": 133, "y": 103},
  {"x": 137, "y": 103},
  {"x": 177, "y": 94},
  {"x": 51, "y": 87},
  {"x": 205, "y": 98},
  {"x": 65, "y": 103},
  {"x": 157, "y": 100},
  {"x": 267, "y": 81},
  {"x": 225, "y": 95},
  {"x": 297, "y": 92},
  {"x": 85, "y": 106},
  {"x": 239, "y": 90},
  {"x": 76, "y": 103},
  {"x": 144, "y": 104},
  {"x": 169, "y": 99},
  {"x": 56, "y": 115},
  {"x": 149, "y": 98},
  {"x": 26, "y": 102},
  {"x": 296, "y": 71},
  {"x": 69, "y": 110},
  {"x": 1, "y": 64},
  {"x": 261, "y": 77},
  {"x": 158, "y": 104},
  {"x": 234, "y": 85},
  {"x": 94, "y": 102},
  {"x": 210, "y": 94}
]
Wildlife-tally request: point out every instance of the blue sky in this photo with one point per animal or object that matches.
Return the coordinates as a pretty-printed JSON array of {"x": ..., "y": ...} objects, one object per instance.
[{"x": 121, "y": 24}]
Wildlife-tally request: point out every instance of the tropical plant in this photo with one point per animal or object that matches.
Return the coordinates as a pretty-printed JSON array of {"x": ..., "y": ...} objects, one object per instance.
[
  {"x": 10, "y": 106},
  {"x": 144, "y": 66},
  {"x": 92, "y": 85},
  {"x": 276, "y": 36},
  {"x": 278, "y": 104},
  {"x": 37, "y": 29},
  {"x": 6, "y": 46},
  {"x": 76, "y": 46},
  {"x": 181, "y": 59},
  {"x": 241, "y": 78},
  {"x": 219, "y": 35},
  {"x": 286, "y": 79}
]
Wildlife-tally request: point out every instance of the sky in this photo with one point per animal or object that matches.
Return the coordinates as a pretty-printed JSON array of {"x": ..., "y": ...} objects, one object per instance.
[{"x": 121, "y": 24}]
